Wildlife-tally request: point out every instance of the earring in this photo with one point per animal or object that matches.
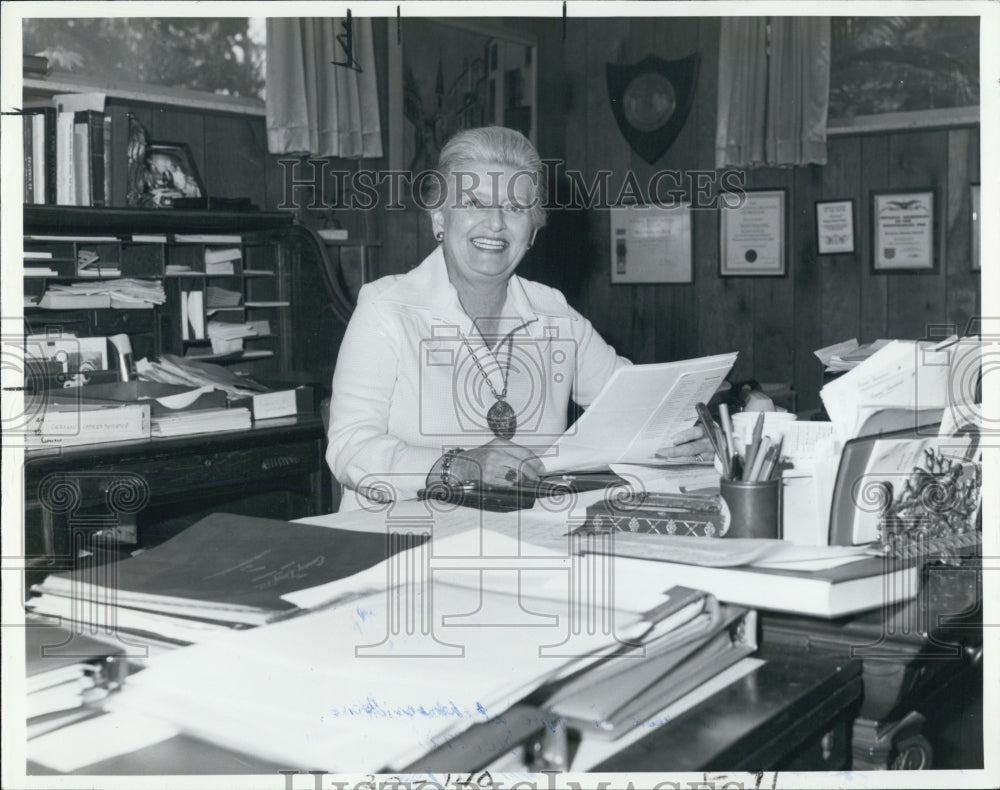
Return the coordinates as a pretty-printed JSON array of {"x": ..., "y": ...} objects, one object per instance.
[{"x": 439, "y": 235}]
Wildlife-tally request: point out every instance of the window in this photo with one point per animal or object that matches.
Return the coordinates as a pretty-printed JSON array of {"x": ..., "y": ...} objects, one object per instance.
[
  {"x": 213, "y": 55},
  {"x": 881, "y": 66}
]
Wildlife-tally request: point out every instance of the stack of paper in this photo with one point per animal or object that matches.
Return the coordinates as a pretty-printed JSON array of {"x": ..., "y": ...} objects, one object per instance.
[
  {"x": 340, "y": 689},
  {"x": 225, "y": 571},
  {"x": 123, "y": 294},
  {"x": 221, "y": 297},
  {"x": 907, "y": 375},
  {"x": 171, "y": 369},
  {"x": 221, "y": 260},
  {"x": 847, "y": 355},
  {"x": 227, "y": 337},
  {"x": 201, "y": 421}
]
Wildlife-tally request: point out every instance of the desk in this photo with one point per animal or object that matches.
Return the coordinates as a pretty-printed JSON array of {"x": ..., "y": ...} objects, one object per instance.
[
  {"x": 275, "y": 469},
  {"x": 791, "y": 712},
  {"x": 917, "y": 656}
]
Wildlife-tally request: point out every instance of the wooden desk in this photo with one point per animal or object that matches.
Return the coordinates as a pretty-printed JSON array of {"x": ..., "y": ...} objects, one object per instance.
[
  {"x": 792, "y": 712},
  {"x": 919, "y": 658},
  {"x": 147, "y": 489}
]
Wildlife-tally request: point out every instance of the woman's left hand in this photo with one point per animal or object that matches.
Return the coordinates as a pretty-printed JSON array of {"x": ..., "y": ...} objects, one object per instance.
[{"x": 689, "y": 445}]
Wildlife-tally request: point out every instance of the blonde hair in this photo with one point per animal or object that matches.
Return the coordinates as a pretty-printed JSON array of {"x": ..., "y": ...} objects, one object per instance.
[{"x": 496, "y": 145}]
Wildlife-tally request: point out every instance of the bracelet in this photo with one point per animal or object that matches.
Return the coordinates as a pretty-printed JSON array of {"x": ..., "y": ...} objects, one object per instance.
[{"x": 449, "y": 456}]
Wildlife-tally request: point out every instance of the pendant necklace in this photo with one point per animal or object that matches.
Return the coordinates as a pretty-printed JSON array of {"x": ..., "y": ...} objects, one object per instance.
[{"x": 500, "y": 417}]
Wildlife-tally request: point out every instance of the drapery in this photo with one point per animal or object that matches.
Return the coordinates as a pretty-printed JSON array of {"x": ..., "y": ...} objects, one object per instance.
[
  {"x": 774, "y": 91},
  {"x": 314, "y": 106}
]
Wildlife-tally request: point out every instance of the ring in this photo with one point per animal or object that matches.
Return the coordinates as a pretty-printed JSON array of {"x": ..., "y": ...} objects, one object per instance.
[{"x": 511, "y": 475}]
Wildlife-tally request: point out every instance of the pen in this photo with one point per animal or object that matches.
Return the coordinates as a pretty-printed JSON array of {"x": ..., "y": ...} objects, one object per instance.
[
  {"x": 711, "y": 431},
  {"x": 751, "y": 457},
  {"x": 762, "y": 451},
  {"x": 727, "y": 430},
  {"x": 772, "y": 465}
]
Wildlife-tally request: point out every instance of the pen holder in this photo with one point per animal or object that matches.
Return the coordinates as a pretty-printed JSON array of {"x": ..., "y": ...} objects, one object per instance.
[{"x": 754, "y": 508}]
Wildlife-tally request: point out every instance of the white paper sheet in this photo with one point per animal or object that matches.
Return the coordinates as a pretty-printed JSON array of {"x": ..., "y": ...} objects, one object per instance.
[{"x": 638, "y": 411}]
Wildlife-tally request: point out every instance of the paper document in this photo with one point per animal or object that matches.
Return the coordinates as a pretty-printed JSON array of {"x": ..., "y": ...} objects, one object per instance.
[
  {"x": 902, "y": 374},
  {"x": 637, "y": 412}
]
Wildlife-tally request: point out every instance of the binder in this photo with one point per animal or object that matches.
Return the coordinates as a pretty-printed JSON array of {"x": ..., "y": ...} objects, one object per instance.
[{"x": 623, "y": 693}]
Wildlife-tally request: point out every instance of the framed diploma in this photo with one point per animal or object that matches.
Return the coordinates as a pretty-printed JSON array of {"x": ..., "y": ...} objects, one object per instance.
[
  {"x": 977, "y": 228},
  {"x": 903, "y": 231},
  {"x": 834, "y": 226},
  {"x": 651, "y": 244},
  {"x": 752, "y": 234}
]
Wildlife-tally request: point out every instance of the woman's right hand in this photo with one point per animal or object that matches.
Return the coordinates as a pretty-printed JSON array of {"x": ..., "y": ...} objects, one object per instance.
[{"x": 499, "y": 462}]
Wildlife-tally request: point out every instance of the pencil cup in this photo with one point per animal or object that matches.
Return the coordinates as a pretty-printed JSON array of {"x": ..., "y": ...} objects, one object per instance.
[{"x": 754, "y": 508}]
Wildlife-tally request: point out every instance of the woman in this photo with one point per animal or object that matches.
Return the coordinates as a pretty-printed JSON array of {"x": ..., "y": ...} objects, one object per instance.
[{"x": 459, "y": 370}]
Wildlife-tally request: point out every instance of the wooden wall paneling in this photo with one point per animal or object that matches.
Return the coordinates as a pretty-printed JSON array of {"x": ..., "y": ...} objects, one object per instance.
[
  {"x": 651, "y": 304},
  {"x": 839, "y": 284},
  {"x": 609, "y": 308},
  {"x": 674, "y": 306},
  {"x": 400, "y": 251},
  {"x": 773, "y": 324},
  {"x": 236, "y": 153},
  {"x": 807, "y": 295},
  {"x": 875, "y": 168},
  {"x": 963, "y": 284},
  {"x": 916, "y": 301}
]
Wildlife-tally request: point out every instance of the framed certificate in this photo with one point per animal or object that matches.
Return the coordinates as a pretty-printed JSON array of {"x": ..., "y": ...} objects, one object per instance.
[
  {"x": 977, "y": 228},
  {"x": 651, "y": 244},
  {"x": 752, "y": 231},
  {"x": 834, "y": 227},
  {"x": 903, "y": 231}
]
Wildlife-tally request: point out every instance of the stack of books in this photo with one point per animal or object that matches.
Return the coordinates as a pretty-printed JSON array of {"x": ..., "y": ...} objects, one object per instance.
[
  {"x": 225, "y": 572},
  {"x": 67, "y": 151},
  {"x": 66, "y": 673}
]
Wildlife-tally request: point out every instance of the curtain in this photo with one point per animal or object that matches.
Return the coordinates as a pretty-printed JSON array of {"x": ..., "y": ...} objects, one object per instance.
[
  {"x": 314, "y": 106},
  {"x": 774, "y": 90}
]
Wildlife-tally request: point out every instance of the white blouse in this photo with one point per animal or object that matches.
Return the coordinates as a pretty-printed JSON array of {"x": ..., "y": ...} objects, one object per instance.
[{"x": 407, "y": 388}]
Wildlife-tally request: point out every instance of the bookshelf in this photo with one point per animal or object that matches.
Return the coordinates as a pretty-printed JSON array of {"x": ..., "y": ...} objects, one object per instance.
[{"x": 216, "y": 268}]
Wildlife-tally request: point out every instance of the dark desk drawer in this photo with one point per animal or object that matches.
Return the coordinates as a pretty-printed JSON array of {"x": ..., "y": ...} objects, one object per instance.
[{"x": 166, "y": 475}]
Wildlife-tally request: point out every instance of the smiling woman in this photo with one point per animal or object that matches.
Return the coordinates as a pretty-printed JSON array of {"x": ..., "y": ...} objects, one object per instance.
[{"x": 461, "y": 352}]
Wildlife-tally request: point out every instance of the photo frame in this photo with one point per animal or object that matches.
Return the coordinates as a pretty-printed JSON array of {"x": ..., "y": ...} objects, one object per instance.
[
  {"x": 651, "y": 244},
  {"x": 834, "y": 227},
  {"x": 903, "y": 231},
  {"x": 753, "y": 231},
  {"x": 159, "y": 172},
  {"x": 975, "y": 249}
]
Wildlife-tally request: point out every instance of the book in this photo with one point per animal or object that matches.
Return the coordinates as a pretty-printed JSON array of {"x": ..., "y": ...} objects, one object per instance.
[
  {"x": 65, "y": 169},
  {"x": 62, "y": 425},
  {"x": 227, "y": 568},
  {"x": 38, "y": 157},
  {"x": 624, "y": 691},
  {"x": 636, "y": 413},
  {"x": 184, "y": 423},
  {"x": 856, "y": 586},
  {"x": 29, "y": 170},
  {"x": 283, "y": 403},
  {"x": 81, "y": 160}
]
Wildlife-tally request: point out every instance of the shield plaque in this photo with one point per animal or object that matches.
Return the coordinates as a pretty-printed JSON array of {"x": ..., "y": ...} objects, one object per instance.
[{"x": 651, "y": 100}]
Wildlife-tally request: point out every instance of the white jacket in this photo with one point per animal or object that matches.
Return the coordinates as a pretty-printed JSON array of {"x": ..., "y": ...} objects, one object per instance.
[{"x": 406, "y": 387}]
